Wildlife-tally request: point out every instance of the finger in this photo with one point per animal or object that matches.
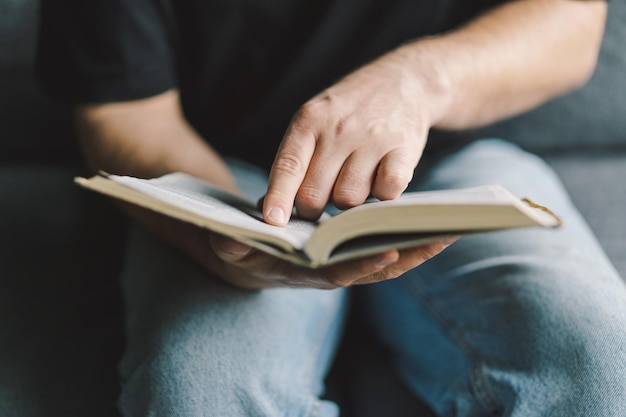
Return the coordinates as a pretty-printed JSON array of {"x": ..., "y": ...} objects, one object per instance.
[
  {"x": 394, "y": 173},
  {"x": 261, "y": 270},
  {"x": 346, "y": 273},
  {"x": 317, "y": 186},
  {"x": 354, "y": 182},
  {"x": 408, "y": 259},
  {"x": 228, "y": 249},
  {"x": 336, "y": 144},
  {"x": 286, "y": 175}
]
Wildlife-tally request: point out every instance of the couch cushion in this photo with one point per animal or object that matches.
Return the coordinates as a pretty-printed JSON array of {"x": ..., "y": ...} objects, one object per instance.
[
  {"x": 60, "y": 302},
  {"x": 597, "y": 186}
]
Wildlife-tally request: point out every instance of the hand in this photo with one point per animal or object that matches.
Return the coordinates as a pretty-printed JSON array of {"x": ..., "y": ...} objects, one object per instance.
[
  {"x": 363, "y": 135},
  {"x": 244, "y": 267}
]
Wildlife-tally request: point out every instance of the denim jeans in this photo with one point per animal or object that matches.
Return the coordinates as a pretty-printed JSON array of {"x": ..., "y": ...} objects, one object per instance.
[{"x": 517, "y": 323}]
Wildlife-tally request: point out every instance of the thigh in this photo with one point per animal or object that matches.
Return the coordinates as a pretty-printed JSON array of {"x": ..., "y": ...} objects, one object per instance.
[
  {"x": 521, "y": 323},
  {"x": 198, "y": 347}
]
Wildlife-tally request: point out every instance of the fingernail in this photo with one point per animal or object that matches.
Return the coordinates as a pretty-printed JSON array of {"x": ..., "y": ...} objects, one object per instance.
[
  {"x": 383, "y": 261},
  {"x": 449, "y": 241},
  {"x": 276, "y": 215},
  {"x": 233, "y": 247}
]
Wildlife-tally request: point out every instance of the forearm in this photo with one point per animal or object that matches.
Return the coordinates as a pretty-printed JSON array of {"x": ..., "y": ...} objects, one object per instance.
[
  {"x": 507, "y": 61},
  {"x": 147, "y": 138}
]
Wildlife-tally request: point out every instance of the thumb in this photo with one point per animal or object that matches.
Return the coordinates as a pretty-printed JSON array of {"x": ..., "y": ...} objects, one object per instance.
[{"x": 228, "y": 249}]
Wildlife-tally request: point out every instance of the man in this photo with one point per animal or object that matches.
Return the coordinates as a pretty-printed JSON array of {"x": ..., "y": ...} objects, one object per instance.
[{"x": 518, "y": 323}]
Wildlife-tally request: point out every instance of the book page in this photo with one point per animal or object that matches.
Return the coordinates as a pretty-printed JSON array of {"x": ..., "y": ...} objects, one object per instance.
[
  {"x": 409, "y": 217},
  {"x": 366, "y": 229},
  {"x": 487, "y": 194},
  {"x": 191, "y": 194}
]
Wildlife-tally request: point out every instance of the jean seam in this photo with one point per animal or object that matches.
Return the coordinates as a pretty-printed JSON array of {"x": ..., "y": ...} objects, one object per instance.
[{"x": 479, "y": 386}]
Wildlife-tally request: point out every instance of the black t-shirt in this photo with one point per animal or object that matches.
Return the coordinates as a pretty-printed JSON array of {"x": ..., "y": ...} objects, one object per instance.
[{"x": 243, "y": 67}]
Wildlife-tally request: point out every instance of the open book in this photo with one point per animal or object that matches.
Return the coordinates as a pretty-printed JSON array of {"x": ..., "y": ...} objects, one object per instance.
[{"x": 414, "y": 219}]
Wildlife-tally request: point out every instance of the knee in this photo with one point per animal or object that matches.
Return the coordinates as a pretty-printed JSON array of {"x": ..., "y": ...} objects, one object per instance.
[
  {"x": 495, "y": 160},
  {"x": 189, "y": 375},
  {"x": 572, "y": 354},
  {"x": 586, "y": 342}
]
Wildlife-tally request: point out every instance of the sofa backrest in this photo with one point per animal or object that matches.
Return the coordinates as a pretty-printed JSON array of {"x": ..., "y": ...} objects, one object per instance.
[
  {"x": 33, "y": 128},
  {"x": 592, "y": 118}
]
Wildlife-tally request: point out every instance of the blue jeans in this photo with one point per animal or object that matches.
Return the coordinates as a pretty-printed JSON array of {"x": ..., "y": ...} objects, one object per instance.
[{"x": 517, "y": 323}]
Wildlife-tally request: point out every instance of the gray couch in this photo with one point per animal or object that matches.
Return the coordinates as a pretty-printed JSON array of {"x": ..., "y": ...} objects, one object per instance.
[{"x": 60, "y": 248}]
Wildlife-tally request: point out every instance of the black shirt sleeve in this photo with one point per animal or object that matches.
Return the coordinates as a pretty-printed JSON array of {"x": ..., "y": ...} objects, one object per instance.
[{"x": 99, "y": 51}]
